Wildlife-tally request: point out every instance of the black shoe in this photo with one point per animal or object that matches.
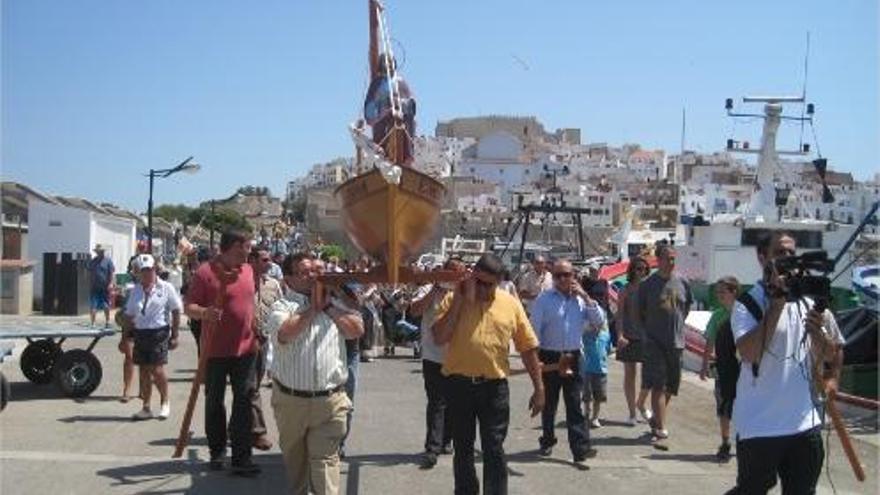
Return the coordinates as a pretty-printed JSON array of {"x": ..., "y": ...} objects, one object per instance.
[
  {"x": 216, "y": 463},
  {"x": 246, "y": 469},
  {"x": 446, "y": 450},
  {"x": 545, "y": 446},
  {"x": 588, "y": 454},
  {"x": 723, "y": 454},
  {"x": 428, "y": 461}
]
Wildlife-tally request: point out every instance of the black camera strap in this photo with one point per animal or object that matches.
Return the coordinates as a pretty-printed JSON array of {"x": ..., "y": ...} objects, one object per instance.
[{"x": 758, "y": 314}]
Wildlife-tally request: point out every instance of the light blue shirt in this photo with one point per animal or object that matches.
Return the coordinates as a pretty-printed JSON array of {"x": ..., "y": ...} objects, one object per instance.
[
  {"x": 560, "y": 321},
  {"x": 597, "y": 346}
]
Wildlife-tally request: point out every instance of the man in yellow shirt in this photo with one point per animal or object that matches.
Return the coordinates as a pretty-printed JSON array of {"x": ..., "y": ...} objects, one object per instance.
[{"x": 478, "y": 321}]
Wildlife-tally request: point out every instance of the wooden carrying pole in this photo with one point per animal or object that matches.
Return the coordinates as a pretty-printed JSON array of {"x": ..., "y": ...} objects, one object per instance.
[
  {"x": 207, "y": 328},
  {"x": 183, "y": 437},
  {"x": 845, "y": 441}
]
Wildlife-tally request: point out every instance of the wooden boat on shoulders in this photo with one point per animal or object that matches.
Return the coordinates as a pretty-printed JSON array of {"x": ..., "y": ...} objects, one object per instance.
[
  {"x": 389, "y": 209},
  {"x": 391, "y": 222}
]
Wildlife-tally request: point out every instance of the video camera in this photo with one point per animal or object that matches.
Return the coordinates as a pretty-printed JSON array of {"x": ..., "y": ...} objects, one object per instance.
[{"x": 806, "y": 275}]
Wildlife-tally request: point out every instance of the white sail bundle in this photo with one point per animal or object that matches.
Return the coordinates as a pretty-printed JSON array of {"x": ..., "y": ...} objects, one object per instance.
[{"x": 372, "y": 155}]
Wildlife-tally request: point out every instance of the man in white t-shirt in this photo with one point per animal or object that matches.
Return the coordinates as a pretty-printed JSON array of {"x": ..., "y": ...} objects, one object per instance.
[
  {"x": 534, "y": 282},
  {"x": 438, "y": 438},
  {"x": 777, "y": 422},
  {"x": 148, "y": 309}
]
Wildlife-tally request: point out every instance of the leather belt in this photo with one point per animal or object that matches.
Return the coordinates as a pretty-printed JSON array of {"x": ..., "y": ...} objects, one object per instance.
[
  {"x": 474, "y": 380},
  {"x": 308, "y": 394}
]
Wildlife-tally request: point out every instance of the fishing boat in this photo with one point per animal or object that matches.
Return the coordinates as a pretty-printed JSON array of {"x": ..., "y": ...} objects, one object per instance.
[
  {"x": 866, "y": 283},
  {"x": 389, "y": 209},
  {"x": 724, "y": 244}
]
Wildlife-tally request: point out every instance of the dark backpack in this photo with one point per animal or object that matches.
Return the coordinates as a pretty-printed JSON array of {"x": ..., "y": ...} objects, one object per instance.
[{"x": 726, "y": 361}]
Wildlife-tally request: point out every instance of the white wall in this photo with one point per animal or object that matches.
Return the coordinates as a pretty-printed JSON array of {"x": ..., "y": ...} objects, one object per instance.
[
  {"x": 55, "y": 229},
  {"x": 61, "y": 229},
  {"x": 118, "y": 235}
]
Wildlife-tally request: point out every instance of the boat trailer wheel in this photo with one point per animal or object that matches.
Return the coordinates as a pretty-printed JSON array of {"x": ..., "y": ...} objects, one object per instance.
[
  {"x": 38, "y": 360},
  {"x": 78, "y": 373}
]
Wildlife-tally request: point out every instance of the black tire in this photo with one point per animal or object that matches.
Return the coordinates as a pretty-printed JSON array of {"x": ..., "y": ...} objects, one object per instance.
[
  {"x": 78, "y": 373},
  {"x": 4, "y": 391},
  {"x": 38, "y": 360}
]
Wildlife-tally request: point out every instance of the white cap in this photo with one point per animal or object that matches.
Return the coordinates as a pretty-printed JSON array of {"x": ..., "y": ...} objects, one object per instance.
[{"x": 145, "y": 261}]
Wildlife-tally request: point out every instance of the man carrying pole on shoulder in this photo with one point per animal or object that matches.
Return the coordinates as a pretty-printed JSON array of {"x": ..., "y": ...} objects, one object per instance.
[
  {"x": 478, "y": 321},
  {"x": 309, "y": 328}
]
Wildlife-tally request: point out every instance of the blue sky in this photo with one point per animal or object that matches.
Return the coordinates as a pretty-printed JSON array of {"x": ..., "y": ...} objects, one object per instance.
[{"x": 95, "y": 93}]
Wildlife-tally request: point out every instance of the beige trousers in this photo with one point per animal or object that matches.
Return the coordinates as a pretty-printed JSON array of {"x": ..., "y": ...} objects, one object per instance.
[{"x": 311, "y": 430}]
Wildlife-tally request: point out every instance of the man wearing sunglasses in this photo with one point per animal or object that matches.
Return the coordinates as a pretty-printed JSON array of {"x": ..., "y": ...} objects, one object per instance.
[
  {"x": 560, "y": 316},
  {"x": 478, "y": 321},
  {"x": 267, "y": 290},
  {"x": 308, "y": 328}
]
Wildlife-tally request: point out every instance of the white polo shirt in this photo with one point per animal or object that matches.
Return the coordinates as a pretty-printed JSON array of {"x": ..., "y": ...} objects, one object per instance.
[
  {"x": 150, "y": 308},
  {"x": 779, "y": 402}
]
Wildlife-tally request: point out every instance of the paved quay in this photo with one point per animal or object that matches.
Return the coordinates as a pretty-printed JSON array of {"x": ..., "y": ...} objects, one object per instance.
[{"x": 52, "y": 444}]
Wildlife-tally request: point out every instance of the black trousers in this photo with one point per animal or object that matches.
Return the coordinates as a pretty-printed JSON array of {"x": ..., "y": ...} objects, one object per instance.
[
  {"x": 489, "y": 403},
  {"x": 195, "y": 326},
  {"x": 796, "y": 459},
  {"x": 258, "y": 426},
  {"x": 571, "y": 388},
  {"x": 437, "y": 418},
  {"x": 242, "y": 374}
]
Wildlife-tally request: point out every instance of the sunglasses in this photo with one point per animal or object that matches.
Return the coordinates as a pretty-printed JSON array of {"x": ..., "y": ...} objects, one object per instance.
[
  {"x": 563, "y": 275},
  {"x": 265, "y": 260},
  {"x": 483, "y": 283}
]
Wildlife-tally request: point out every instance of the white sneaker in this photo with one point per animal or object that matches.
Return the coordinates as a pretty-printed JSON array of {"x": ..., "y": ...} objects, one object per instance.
[
  {"x": 143, "y": 414},
  {"x": 165, "y": 411},
  {"x": 632, "y": 421},
  {"x": 647, "y": 414},
  {"x": 595, "y": 423}
]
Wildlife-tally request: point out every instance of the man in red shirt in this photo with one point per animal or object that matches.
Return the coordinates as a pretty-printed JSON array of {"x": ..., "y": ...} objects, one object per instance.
[{"x": 221, "y": 296}]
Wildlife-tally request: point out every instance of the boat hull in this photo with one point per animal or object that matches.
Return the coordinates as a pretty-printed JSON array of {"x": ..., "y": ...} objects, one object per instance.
[{"x": 374, "y": 211}]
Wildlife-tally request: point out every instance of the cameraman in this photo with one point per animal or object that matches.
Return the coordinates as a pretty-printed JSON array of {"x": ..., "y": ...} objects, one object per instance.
[{"x": 775, "y": 413}]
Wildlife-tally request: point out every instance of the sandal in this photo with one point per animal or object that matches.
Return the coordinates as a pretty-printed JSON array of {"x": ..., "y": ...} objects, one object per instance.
[{"x": 658, "y": 439}]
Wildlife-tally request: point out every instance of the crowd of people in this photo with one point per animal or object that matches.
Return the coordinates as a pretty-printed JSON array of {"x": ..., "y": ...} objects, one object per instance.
[{"x": 307, "y": 340}]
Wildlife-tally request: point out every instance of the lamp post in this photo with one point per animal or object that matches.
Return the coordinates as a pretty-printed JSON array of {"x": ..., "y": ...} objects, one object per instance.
[
  {"x": 187, "y": 166},
  {"x": 211, "y": 242}
]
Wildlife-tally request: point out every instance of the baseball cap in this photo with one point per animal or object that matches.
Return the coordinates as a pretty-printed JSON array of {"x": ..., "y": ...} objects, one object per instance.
[{"x": 145, "y": 262}]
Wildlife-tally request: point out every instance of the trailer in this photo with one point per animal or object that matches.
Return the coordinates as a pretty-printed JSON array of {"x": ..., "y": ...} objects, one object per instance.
[{"x": 76, "y": 372}]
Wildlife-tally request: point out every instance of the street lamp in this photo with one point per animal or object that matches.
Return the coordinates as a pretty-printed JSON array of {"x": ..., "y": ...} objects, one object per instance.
[{"x": 187, "y": 166}]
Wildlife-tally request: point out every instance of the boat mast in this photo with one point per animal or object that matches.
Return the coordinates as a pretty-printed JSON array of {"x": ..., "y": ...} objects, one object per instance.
[
  {"x": 374, "y": 7},
  {"x": 768, "y": 199}
]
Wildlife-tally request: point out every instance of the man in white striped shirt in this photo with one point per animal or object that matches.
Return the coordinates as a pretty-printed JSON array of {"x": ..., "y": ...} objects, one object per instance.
[{"x": 308, "y": 329}]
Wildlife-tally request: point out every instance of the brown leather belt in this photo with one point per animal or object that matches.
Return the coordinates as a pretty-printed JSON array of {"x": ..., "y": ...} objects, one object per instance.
[{"x": 308, "y": 394}]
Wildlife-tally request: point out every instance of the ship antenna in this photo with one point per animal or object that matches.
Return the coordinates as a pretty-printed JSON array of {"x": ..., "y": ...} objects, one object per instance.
[{"x": 804, "y": 89}]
